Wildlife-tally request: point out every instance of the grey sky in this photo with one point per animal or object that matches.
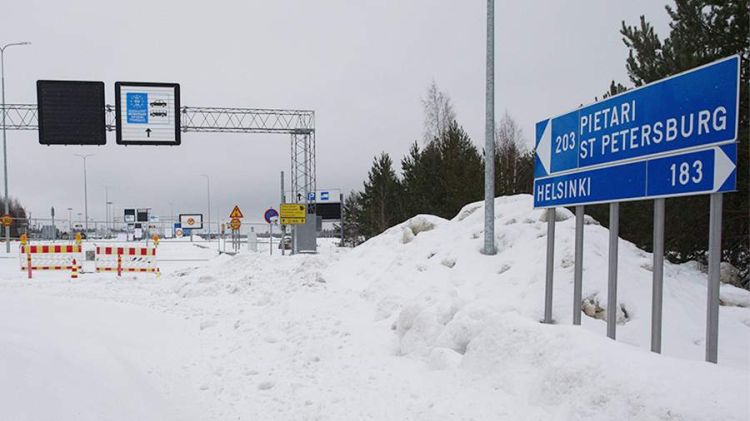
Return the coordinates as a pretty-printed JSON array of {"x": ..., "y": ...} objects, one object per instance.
[{"x": 361, "y": 65}]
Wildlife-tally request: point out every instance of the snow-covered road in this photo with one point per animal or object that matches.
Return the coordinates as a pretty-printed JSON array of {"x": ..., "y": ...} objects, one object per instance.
[
  {"x": 415, "y": 324},
  {"x": 70, "y": 358}
]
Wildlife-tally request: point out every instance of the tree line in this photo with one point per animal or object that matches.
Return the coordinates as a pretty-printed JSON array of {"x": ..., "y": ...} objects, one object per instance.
[{"x": 439, "y": 176}]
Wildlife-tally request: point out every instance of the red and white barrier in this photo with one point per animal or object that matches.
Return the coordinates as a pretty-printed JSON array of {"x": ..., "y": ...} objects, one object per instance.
[
  {"x": 126, "y": 259},
  {"x": 50, "y": 257}
]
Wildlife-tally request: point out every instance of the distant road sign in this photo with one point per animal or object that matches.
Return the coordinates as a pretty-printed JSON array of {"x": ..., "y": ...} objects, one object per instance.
[
  {"x": 690, "y": 110},
  {"x": 271, "y": 215},
  {"x": 236, "y": 212},
  {"x": 71, "y": 112},
  {"x": 321, "y": 196},
  {"x": 293, "y": 213},
  {"x": 147, "y": 113},
  {"x": 235, "y": 224},
  {"x": 191, "y": 220},
  {"x": 709, "y": 170},
  {"x": 7, "y": 220}
]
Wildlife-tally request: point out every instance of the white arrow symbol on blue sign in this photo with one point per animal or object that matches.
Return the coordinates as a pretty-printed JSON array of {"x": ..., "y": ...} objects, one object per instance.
[
  {"x": 723, "y": 168},
  {"x": 544, "y": 149}
]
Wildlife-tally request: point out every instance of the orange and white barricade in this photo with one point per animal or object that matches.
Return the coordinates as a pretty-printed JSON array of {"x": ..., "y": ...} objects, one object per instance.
[
  {"x": 126, "y": 259},
  {"x": 51, "y": 257}
]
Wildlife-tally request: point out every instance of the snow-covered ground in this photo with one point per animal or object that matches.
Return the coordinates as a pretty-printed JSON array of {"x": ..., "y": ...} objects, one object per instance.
[{"x": 415, "y": 324}]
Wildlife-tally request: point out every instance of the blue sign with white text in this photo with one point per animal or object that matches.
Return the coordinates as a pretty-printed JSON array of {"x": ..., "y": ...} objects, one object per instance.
[
  {"x": 136, "y": 108},
  {"x": 691, "y": 110},
  {"x": 708, "y": 170}
]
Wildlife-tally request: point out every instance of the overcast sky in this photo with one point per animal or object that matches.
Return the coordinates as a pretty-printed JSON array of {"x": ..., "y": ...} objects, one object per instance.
[{"x": 362, "y": 66}]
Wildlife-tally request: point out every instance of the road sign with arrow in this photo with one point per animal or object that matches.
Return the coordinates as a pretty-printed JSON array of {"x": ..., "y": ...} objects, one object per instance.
[{"x": 147, "y": 113}]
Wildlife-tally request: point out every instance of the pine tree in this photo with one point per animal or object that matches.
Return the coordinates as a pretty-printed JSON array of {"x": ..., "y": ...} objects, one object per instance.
[
  {"x": 701, "y": 31},
  {"x": 381, "y": 199}
]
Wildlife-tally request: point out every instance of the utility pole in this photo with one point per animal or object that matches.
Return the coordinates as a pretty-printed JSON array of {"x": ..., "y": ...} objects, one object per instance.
[
  {"x": 85, "y": 194},
  {"x": 489, "y": 136},
  {"x": 106, "y": 207},
  {"x": 208, "y": 192},
  {"x": 5, "y": 146}
]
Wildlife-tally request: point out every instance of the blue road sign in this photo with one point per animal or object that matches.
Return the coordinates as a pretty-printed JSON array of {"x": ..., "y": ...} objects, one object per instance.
[
  {"x": 137, "y": 108},
  {"x": 690, "y": 110},
  {"x": 708, "y": 170},
  {"x": 324, "y": 196},
  {"x": 270, "y": 215}
]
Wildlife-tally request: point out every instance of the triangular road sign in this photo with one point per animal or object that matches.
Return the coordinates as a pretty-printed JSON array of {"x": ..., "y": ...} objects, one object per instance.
[{"x": 236, "y": 213}]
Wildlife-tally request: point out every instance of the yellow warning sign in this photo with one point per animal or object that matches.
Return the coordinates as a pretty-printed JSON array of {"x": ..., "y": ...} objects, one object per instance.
[
  {"x": 236, "y": 213},
  {"x": 292, "y": 214},
  {"x": 235, "y": 224},
  {"x": 7, "y": 220}
]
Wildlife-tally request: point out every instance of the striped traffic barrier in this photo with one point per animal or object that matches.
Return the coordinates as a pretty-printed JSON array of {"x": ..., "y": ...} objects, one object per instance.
[
  {"x": 126, "y": 259},
  {"x": 49, "y": 257}
]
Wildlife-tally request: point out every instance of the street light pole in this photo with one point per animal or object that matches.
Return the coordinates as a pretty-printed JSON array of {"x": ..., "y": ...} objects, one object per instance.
[
  {"x": 489, "y": 136},
  {"x": 5, "y": 147},
  {"x": 106, "y": 207},
  {"x": 208, "y": 190},
  {"x": 85, "y": 194}
]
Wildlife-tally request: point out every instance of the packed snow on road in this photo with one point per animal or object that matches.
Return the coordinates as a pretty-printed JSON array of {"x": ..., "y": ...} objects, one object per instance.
[{"x": 414, "y": 324}]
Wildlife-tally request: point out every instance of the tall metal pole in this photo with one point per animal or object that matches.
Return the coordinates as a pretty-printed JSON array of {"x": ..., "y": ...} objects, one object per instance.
[
  {"x": 106, "y": 207},
  {"x": 657, "y": 289},
  {"x": 85, "y": 194},
  {"x": 551, "y": 216},
  {"x": 578, "y": 267},
  {"x": 614, "y": 226},
  {"x": 5, "y": 146},
  {"x": 489, "y": 136},
  {"x": 208, "y": 192},
  {"x": 714, "y": 262},
  {"x": 283, "y": 228}
]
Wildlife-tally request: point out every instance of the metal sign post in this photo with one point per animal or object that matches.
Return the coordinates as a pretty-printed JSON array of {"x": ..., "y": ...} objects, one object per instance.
[
  {"x": 550, "y": 265},
  {"x": 658, "y": 275},
  {"x": 714, "y": 262},
  {"x": 578, "y": 268},
  {"x": 614, "y": 237}
]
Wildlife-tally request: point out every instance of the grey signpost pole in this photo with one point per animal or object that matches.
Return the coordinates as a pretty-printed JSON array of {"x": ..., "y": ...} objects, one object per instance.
[
  {"x": 208, "y": 195},
  {"x": 5, "y": 146},
  {"x": 657, "y": 292},
  {"x": 614, "y": 222},
  {"x": 578, "y": 269},
  {"x": 550, "y": 265},
  {"x": 489, "y": 136},
  {"x": 714, "y": 260},
  {"x": 85, "y": 194}
]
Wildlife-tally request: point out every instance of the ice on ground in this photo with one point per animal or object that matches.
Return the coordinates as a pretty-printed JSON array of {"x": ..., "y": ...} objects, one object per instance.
[{"x": 414, "y": 324}]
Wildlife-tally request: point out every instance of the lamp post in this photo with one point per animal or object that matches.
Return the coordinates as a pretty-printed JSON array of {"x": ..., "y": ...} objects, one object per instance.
[
  {"x": 85, "y": 193},
  {"x": 5, "y": 148},
  {"x": 208, "y": 191},
  {"x": 106, "y": 207},
  {"x": 70, "y": 222},
  {"x": 489, "y": 136}
]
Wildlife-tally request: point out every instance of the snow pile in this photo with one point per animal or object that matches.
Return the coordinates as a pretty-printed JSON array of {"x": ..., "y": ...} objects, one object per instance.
[{"x": 451, "y": 307}]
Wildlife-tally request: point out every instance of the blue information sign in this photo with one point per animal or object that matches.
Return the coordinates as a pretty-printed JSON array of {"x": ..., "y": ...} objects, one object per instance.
[
  {"x": 136, "y": 107},
  {"x": 708, "y": 170},
  {"x": 691, "y": 110}
]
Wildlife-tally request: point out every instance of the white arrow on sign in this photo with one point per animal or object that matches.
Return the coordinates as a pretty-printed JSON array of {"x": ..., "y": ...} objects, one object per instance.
[
  {"x": 723, "y": 167},
  {"x": 544, "y": 149}
]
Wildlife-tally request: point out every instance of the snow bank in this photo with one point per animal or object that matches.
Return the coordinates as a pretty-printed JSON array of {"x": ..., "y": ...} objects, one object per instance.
[{"x": 456, "y": 309}]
